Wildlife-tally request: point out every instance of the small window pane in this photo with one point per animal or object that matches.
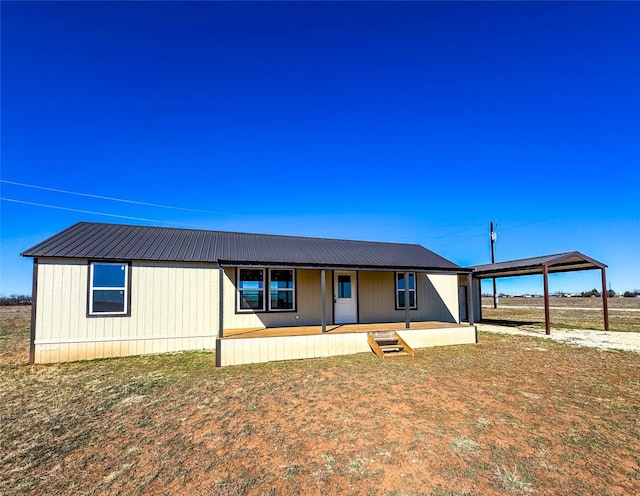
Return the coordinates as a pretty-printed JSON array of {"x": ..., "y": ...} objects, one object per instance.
[
  {"x": 250, "y": 278},
  {"x": 251, "y": 299},
  {"x": 412, "y": 280},
  {"x": 344, "y": 286},
  {"x": 282, "y": 300},
  {"x": 108, "y": 275},
  {"x": 281, "y": 279},
  {"x": 412, "y": 299},
  {"x": 107, "y": 301}
]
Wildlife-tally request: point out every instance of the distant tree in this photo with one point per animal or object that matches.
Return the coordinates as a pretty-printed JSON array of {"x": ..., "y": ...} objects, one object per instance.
[
  {"x": 631, "y": 294},
  {"x": 14, "y": 300},
  {"x": 611, "y": 293},
  {"x": 588, "y": 294}
]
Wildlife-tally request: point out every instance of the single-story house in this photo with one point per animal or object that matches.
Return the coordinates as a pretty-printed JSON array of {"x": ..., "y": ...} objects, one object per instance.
[{"x": 105, "y": 290}]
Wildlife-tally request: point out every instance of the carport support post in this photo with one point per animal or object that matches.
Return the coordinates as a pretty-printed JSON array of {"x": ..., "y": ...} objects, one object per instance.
[
  {"x": 605, "y": 305},
  {"x": 470, "y": 298},
  {"x": 407, "y": 302},
  {"x": 547, "y": 323},
  {"x": 323, "y": 290}
]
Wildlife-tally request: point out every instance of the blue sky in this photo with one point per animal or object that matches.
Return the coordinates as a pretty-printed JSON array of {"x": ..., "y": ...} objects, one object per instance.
[{"x": 408, "y": 122}]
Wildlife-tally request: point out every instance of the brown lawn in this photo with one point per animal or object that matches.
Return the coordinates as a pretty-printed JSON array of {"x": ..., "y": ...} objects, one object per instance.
[{"x": 510, "y": 415}]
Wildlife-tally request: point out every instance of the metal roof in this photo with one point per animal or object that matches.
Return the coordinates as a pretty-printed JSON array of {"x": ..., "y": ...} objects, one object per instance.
[
  {"x": 99, "y": 241},
  {"x": 560, "y": 262}
]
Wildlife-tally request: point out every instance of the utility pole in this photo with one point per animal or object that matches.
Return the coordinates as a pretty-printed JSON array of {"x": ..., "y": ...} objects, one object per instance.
[{"x": 494, "y": 236}]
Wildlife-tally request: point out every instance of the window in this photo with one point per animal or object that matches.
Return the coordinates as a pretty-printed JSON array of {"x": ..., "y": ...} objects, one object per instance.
[
  {"x": 108, "y": 288},
  {"x": 400, "y": 290},
  {"x": 281, "y": 287},
  {"x": 253, "y": 283},
  {"x": 251, "y": 289},
  {"x": 344, "y": 286}
]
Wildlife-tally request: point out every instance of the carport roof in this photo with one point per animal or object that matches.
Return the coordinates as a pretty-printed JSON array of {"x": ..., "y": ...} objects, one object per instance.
[{"x": 560, "y": 262}]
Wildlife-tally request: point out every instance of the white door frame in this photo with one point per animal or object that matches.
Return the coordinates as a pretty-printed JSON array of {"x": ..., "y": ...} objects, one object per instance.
[{"x": 345, "y": 309}]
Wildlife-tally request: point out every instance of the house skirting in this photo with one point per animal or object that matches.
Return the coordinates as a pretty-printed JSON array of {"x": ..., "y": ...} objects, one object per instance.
[
  {"x": 276, "y": 348},
  {"x": 53, "y": 351},
  {"x": 235, "y": 351}
]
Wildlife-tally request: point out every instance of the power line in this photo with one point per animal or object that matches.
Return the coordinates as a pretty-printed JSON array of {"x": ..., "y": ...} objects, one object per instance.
[
  {"x": 123, "y": 200},
  {"x": 12, "y": 200}
]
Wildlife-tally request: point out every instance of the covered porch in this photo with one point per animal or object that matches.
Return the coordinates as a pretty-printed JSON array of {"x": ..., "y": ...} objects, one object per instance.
[
  {"x": 334, "y": 329},
  {"x": 243, "y": 346}
]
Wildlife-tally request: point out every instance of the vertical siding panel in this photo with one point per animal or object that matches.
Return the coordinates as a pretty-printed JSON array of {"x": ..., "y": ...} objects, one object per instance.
[
  {"x": 377, "y": 298},
  {"x": 165, "y": 290},
  {"x": 131, "y": 329},
  {"x": 48, "y": 293},
  {"x": 149, "y": 308},
  {"x": 59, "y": 329},
  {"x": 176, "y": 326},
  {"x": 198, "y": 305},
  {"x": 185, "y": 302}
]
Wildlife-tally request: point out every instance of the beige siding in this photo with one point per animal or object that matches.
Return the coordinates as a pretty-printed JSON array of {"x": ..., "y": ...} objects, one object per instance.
[
  {"x": 437, "y": 298},
  {"x": 377, "y": 298},
  {"x": 440, "y": 297},
  {"x": 308, "y": 304},
  {"x": 174, "y": 306},
  {"x": 256, "y": 350}
]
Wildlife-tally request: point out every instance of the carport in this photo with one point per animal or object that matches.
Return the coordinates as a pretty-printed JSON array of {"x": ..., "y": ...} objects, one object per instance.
[{"x": 545, "y": 265}]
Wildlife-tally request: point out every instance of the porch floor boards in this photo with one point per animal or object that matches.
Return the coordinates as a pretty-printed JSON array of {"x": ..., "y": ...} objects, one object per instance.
[{"x": 261, "y": 332}]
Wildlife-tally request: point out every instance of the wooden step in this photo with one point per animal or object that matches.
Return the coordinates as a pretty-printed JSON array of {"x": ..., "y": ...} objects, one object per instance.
[{"x": 388, "y": 343}]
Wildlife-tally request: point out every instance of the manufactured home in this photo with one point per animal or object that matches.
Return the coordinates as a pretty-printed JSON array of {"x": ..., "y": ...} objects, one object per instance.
[{"x": 106, "y": 290}]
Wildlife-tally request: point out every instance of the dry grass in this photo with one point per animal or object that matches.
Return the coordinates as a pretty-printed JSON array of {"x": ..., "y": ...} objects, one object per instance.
[
  {"x": 14, "y": 334},
  {"x": 567, "y": 313},
  {"x": 511, "y": 414}
]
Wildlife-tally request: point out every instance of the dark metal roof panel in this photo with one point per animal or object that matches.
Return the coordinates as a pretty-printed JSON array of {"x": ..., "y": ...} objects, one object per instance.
[
  {"x": 559, "y": 262},
  {"x": 127, "y": 242}
]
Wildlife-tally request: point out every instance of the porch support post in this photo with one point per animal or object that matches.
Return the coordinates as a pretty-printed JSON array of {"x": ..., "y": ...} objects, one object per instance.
[
  {"x": 547, "y": 323},
  {"x": 470, "y": 298},
  {"x": 407, "y": 305},
  {"x": 323, "y": 290},
  {"x": 605, "y": 306}
]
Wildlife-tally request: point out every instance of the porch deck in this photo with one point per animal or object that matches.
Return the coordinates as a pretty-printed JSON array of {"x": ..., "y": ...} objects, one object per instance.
[
  {"x": 241, "y": 346},
  {"x": 262, "y": 332}
]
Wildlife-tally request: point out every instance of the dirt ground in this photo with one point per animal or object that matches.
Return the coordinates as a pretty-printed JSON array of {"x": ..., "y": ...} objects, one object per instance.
[{"x": 510, "y": 415}]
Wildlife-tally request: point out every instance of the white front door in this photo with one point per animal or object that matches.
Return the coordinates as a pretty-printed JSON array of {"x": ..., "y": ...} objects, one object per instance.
[{"x": 345, "y": 307}]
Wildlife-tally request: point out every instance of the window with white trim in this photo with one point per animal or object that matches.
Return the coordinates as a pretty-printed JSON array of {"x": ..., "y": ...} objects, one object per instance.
[
  {"x": 266, "y": 290},
  {"x": 281, "y": 290},
  {"x": 108, "y": 288},
  {"x": 400, "y": 290}
]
